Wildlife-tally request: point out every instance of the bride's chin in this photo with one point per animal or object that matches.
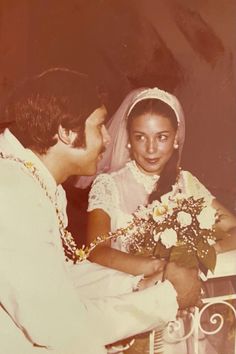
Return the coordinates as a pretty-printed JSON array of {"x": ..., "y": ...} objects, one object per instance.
[{"x": 150, "y": 170}]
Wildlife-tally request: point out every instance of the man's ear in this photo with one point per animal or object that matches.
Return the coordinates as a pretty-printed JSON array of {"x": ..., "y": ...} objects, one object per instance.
[{"x": 67, "y": 136}]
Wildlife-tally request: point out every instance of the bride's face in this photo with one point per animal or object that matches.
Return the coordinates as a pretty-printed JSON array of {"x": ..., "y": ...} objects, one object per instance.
[{"x": 152, "y": 139}]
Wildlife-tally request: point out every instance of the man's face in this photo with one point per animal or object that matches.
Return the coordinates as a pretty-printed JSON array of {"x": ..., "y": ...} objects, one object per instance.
[{"x": 96, "y": 138}]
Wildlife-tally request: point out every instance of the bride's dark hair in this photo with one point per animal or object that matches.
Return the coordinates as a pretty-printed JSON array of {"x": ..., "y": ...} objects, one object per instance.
[{"x": 169, "y": 173}]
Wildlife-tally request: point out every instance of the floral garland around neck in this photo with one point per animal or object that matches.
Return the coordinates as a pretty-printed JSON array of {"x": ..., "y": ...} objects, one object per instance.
[
  {"x": 68, "y": 242},
  {"x": 71, "y": 251}
]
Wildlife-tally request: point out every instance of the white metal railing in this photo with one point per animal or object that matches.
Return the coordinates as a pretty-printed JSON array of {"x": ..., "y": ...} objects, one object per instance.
[{"x": 225, "y": 267}]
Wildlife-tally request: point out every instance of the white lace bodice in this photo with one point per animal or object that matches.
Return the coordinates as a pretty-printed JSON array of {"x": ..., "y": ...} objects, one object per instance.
[
  {"x": 148, "y": 181},
  {"x": 119, "y": 193},
  {"x": 104, "y": 195}
]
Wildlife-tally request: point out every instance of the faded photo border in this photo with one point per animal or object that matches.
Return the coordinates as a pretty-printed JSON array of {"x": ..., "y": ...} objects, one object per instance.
[{"x": 186, "y": 47}]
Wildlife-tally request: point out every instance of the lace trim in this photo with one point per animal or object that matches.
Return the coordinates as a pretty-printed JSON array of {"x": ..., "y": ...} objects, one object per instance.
[
  {"x": 103, "y": 194},
  {"x": 148, "y": 181}
]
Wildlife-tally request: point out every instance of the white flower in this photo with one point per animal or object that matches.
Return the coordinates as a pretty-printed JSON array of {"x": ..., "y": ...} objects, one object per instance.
[
  {"x": 159, "y": 213},
  {"x": 207, "y": 217},
  {"x": 184, "y": 218},
  {"x": 159, "y": 210},
  {"x": 169, "y": 238}
]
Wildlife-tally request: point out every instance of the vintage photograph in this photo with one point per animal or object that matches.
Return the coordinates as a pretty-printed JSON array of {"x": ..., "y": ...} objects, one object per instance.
[{"x": 118, "y": 177}]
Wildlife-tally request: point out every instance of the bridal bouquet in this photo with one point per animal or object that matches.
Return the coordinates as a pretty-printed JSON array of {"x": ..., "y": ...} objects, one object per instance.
[{"x": 181, "y": 230}]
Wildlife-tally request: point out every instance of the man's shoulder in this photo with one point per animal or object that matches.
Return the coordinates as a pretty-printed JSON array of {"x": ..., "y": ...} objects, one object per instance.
[
  {"x": 15, "y": 179},
  {"x": 11, "y": 171},
  {"x": 20, "y": 194}
]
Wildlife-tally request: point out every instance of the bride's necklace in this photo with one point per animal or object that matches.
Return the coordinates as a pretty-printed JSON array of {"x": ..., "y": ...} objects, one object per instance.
[
  {"x": 148, "y": 181},
  {"x": 68, "y": 242}
]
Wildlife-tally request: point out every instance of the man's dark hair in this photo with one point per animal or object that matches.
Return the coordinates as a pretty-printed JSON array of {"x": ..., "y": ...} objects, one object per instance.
[{"x": 38, "y": 106}]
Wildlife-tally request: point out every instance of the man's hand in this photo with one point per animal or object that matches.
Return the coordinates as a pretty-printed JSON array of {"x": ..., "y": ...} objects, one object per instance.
[
  {"x": 150, "y": 265},
  {"x": 186, "y": 283}
]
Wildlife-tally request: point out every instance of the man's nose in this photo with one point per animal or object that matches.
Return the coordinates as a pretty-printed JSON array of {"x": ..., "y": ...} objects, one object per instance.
[{"x": 105, "y": 136}]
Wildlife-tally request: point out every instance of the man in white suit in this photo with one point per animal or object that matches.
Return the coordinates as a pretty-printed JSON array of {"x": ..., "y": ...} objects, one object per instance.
[{"x": 54, "y": 128}]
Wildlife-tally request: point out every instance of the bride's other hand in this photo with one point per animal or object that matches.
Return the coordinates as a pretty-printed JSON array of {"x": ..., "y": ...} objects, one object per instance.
[
  {"x": 186, "y": 283},
  {"x": 226, "y": 224}
]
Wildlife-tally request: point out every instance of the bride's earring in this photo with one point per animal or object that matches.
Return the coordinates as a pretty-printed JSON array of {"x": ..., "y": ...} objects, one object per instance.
[
  {"x": 176, "y": 145},
  {"x": 128, "y": 147}
]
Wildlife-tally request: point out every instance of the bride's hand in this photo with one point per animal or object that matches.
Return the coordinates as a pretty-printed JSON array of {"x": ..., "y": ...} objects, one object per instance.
[{"x": 186, "y": 284}]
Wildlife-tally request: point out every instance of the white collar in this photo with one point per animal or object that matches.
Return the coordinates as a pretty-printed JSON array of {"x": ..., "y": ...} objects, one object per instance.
[
  {"x": 148, "y": 181},
  {"x": 10, "y": 145}
]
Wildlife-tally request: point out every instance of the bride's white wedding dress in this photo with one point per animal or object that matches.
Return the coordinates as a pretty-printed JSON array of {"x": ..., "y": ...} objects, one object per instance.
[{"x": 120, "y": 193}]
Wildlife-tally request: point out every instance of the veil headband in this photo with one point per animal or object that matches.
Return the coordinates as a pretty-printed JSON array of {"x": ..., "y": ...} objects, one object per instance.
[
  {"x": 117, "y": 154},
  {"x": 156, "y": 93}
]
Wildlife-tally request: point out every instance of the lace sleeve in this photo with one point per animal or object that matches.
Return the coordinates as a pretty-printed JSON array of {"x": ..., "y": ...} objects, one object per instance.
[
  {"x": 103, "y": 194},
  {"x": 195, "y": 188}
]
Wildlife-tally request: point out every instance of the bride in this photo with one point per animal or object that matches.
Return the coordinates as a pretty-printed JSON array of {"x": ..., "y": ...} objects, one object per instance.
[{"x": 142, "y": 164}]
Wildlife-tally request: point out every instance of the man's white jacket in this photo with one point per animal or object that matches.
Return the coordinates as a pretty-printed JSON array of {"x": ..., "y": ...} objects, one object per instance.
[{"x": 48, "y": 305}]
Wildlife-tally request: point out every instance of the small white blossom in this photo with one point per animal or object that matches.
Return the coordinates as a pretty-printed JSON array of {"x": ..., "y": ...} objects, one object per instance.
[
  {"x": 156, "y": 236},
  {"x": 184, "y": 218},
  {"x": 207, "y": 217},
  {"x": 169, "y": 238},
  {"x": 211, "y": 242}
]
